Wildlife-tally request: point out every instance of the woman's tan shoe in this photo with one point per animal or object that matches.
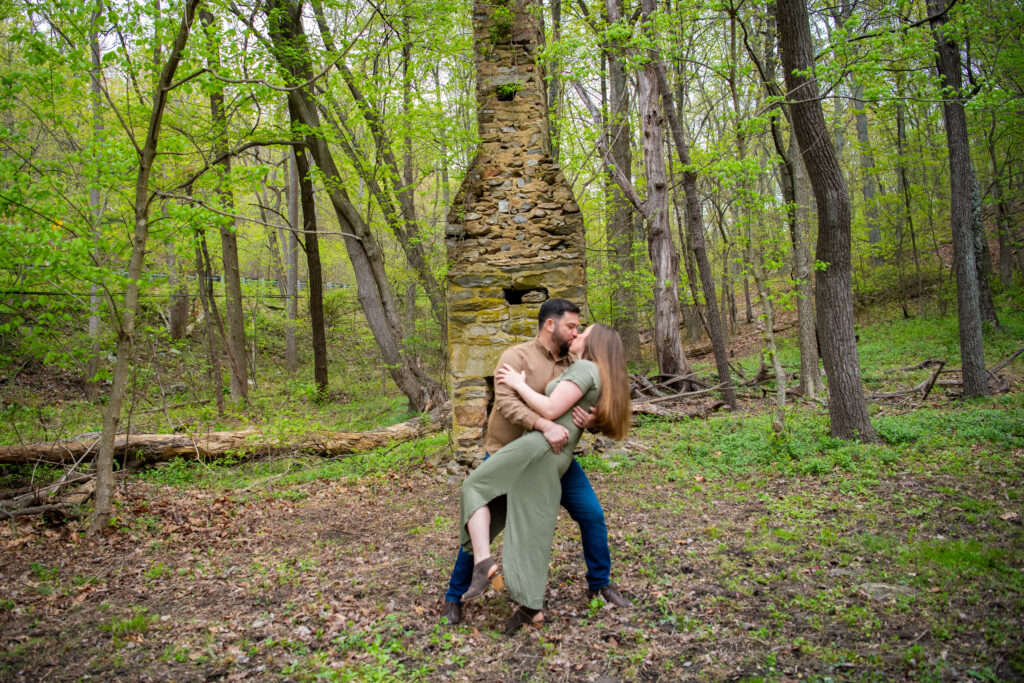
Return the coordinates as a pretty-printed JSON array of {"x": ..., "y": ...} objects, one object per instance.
[{"x": 484, "y": 572}]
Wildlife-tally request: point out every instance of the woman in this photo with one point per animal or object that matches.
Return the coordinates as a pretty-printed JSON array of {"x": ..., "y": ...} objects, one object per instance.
[{"x": 518, "y": 488}]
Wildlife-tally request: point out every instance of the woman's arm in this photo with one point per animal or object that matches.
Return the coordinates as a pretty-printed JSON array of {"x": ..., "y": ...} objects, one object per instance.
[{"x": 564, "y": 396}]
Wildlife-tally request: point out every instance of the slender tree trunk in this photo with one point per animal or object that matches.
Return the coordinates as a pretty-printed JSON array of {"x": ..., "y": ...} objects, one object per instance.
[
  {"x": 178, "y": 314},
  {"x": 803, "y": 272},
  {"x": 972, "y": 351},
  {"x": 869, "y": 176},
  {"x": 126, "y": 329},
  {"x": 212, "y": 317},
  {"x": 903, "y": 184},
  {"x": 228, "y": 230},
  {"x": 619, "y": 213},
  {"x": 982, "y": 255},
  {"x": 848, "y": 414},
  {"x": 756, "y": 262},
  {"x": 1004, "y": 226},
  {"x": 796, "y": 192},
  {"x": 316, "y": 282},
  {"x": 291, "y": 266},
  {"x": 691, "y": 313},
  {"x": 92, "y": 366}
]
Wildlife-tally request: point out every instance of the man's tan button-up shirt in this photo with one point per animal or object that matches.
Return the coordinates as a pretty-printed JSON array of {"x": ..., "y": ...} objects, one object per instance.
[{"x": 510, "y": 417}]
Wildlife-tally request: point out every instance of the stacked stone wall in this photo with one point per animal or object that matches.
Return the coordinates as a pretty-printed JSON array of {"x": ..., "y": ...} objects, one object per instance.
[{"x": 514, "y": 232}]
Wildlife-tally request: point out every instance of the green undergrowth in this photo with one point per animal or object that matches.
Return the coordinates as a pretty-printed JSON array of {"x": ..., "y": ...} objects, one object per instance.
[
  {"x": 887, "y": 342},
  {"x": 946, "y": 440}
]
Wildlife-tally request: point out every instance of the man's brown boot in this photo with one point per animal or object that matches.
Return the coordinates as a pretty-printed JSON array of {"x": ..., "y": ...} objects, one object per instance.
[
  {"x": 611, "y": 595},
  {"x": 452, "y": 612}
]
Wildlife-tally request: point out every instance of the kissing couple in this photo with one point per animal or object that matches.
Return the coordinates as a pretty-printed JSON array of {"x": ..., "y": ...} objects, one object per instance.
[{"x": 546, "y": 392}]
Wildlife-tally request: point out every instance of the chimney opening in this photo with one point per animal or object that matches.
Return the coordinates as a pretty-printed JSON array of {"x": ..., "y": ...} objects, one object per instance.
[{"x": 515, "y": 297}]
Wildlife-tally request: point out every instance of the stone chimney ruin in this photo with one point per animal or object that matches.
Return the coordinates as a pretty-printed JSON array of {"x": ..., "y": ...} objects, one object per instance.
[{"x": 514, "y": 233}]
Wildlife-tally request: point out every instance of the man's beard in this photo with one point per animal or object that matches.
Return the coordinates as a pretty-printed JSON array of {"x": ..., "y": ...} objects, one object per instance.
[{"x": 562, "y": 343}]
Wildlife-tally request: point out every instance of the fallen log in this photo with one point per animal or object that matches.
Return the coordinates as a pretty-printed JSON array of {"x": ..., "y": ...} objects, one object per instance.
[{"x": 148, "y": 448}]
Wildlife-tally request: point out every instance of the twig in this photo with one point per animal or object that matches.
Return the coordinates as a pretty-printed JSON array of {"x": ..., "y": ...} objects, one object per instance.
[
  {"x": 930, "y": 382},
  {"x": 686, "y": 394},
  {"x": 1007, "y": 361},
  {"x": 57, "y": 487},
  {"x": 923, "y": 364},
  {"x": 37, "y": 510}
]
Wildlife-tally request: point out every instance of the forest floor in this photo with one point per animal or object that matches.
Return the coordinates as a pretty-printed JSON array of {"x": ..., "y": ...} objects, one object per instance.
[
  {"x": 907, "y": 562},
  {"x": 749, "y": 554}
]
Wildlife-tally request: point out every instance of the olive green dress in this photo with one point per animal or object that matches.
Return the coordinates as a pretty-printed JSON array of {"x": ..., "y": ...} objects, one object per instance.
[{"x": 522, "y": 485}]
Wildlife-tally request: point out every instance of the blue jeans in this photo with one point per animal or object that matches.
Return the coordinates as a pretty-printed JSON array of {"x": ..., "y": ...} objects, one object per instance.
[{"x": 580, "y": 501}]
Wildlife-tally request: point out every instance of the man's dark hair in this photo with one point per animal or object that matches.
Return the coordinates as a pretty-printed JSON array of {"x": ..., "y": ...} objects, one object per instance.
[{"x": 555, "y": 308}]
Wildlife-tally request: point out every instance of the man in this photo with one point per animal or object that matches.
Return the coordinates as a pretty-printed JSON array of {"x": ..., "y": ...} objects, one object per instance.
[{"x": 543, "y": 359}]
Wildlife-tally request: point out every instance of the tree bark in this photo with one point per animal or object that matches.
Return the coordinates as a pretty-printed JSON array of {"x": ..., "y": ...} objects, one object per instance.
[
  {"x": 869, "y": 176},
  {"x": 234, "y": 314},
  {"x": 903, "y": 185},
  {"x": 664, "y": 258},
  {"x": 972, "y": 351},
  {"x": 848, "y": 414},
  {"x": 311, "y": 246},
  {"x": 1004, "y": 225},
  {"x": 803, "y": 272},
  {"x": 291, "y": 266},
  {"x": 755, "y": 261},
  {"x": 126, "y": 328},
  {"x": 619, "y": 214},
  {"x": 212, "y": 316},
  {"x": 92, "y": 366},
  {"x": 982, "y": 255}
]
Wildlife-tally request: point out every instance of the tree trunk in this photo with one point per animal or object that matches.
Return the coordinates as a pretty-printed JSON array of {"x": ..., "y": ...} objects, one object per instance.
[
  {"x": 148, "y": 448},
  {"x": 664, "y": 258},
  {"x": 848, "y": 414},
  {"x": 212, "y": 317},
  {"x": 92, "y": 366},
  {"x": 179, "y": 305},
  {"x": 375, "y": 292},
  {"x": 982, "y": 255},
  {"x": 316, "y": 281},
  {"x": 619, "y": 212},
  {"x": 126, "y": 329},
  {"x": 1004, "y": 225},
  {"x": 228, "y": 230},
  {"x": 903, "y": 183},
  {"x": 869, "y": 176},
  {"x": 291, "y": 266},
  {"x": 972, "y": 351},
  {"x": 803, "y": 272},
  {"x": 756, "y": 262}
]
